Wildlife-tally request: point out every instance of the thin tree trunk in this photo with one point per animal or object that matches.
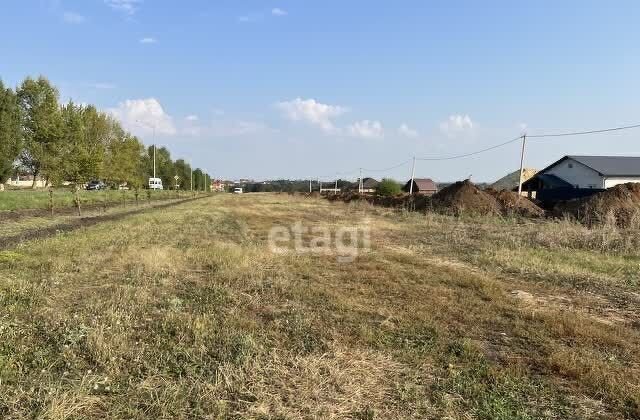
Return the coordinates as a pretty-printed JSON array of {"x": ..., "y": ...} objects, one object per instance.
[
  {"x": 35, "y": 177},
  {"x": 51, "y": 200},
  {"x": 77, "y": 199}
]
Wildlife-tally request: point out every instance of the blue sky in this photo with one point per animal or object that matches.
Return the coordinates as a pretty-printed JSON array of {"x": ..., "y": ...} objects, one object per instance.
[{"x": 299, "y": 89}]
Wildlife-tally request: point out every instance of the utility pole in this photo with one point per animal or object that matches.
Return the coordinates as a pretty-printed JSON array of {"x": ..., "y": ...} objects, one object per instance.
[
  {"x": 192, "y": 179},
  {"x": 413, "y": 175},
  {"x": 153, "y": 127},
  {"x": 524, "y": 143},
  {"x": 360, "y": 183},
  {"x": 310, "y": 190},
  {"x": 154, "y": 151}
]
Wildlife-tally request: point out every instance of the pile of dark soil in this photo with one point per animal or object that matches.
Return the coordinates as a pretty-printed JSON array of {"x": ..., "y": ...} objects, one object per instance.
[
  {"x": 620, "y": 204},
  {"x": 512, "y": 204},
  {"x": 460, "y": 198},
  {"x": 464, "y": 197}
]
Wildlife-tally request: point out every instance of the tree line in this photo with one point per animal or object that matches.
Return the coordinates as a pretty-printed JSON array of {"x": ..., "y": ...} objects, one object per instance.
[
  {"x": 386, "y": 187},
  {"x": 76, "y": 143}
]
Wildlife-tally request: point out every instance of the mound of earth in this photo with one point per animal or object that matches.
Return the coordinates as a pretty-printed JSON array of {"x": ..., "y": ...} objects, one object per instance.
[
  {"x": 513, "y": 204},
  {"x": 620, "y": 204},
  {"x": 464, "y": 197},
  {"x": 512, "y": 180}
]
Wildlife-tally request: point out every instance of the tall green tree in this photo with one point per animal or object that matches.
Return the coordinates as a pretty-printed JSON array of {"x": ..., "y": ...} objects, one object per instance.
[
  {"x": 42, "y": 122},
  {"x": 201, "y": 180},
  {"x": 97, "y": 135},
  {"x": 125, "y": 162},
  {"x": 183, "y": 170},
  {"x": 198, "y": 179},
  {"x": 10, "y": 132},
  {"x": 164, "y": 167},
  {"x": 80, "y": 153}
]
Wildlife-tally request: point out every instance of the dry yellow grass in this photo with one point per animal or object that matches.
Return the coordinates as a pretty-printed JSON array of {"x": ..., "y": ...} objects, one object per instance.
[{"x": 186, "y": 313}]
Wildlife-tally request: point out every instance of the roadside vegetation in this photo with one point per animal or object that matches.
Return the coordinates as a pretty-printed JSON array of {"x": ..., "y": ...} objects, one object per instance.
[
  {"x": 73, "y": 144},
  {"x": 29, "y": 200},
  {"x": 186, "y": 313}
]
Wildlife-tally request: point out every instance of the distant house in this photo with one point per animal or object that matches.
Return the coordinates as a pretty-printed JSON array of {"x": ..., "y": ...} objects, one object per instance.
[
  {"x": 369, "y": 185},
  {"x": 26, "y": 181},
  {"x": 331, "y": 189},
  {"x": 424, "y": 186},
  {"x": 580, "y": 176},
  {"x": 217, "y": 185}
]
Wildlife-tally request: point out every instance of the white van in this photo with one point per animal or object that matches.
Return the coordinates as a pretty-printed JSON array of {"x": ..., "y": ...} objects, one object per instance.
[
  {"x": 155, "y": 184},
  {"x": 237, "y": 190}
]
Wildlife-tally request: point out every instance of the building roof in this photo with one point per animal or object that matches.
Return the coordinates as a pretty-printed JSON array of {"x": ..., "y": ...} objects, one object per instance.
[
  {"x": 425, "y": 184},
  {"x": 606, "y": 165},
  {"x": 549, "y": 180},
  {"x": 369, "y": 183}
]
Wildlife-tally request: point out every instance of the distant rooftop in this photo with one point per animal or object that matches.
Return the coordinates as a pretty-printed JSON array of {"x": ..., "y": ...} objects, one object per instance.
[{"x": 611, "y": 165}]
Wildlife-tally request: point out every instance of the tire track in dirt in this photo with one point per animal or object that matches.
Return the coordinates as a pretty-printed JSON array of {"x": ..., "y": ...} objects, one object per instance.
[{"x": 47, "y": 232}]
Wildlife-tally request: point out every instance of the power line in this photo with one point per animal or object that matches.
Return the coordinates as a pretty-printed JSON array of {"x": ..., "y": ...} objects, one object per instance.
[
  {"x": 335, "y": 174},
  {"x": 387, "y": 169},
  {"x": 580, "y": 133},
  {"x": 477, "y": 152}
]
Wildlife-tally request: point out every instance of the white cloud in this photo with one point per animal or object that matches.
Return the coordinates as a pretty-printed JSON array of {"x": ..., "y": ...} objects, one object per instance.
[
  {"x": 312, "y": 112},
  {"x": 406, "y": 131},
  {"x": 148, "y": 40},
  {"x": 191, "y": 118},
  {"x": 128, "y": 7},
  {"x": 456, "y": 124},
  {"x": 142, "y": 115},
  {"x": 278, "y": 12},
  {"x": 366, "y": 129},
  {"x": 73, "y": 18}
]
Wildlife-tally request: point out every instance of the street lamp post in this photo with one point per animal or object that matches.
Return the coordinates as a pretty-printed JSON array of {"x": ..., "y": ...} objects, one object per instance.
[{"x": 153, "y": 139}]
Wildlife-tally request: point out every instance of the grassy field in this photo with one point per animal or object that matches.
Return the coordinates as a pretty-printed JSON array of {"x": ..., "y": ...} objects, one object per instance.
[
  {"x": 39, "y": 199},
  {"x": 188, "y": 313}
]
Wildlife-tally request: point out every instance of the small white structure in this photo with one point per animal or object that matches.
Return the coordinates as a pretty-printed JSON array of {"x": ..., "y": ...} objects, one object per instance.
[
  {"x": 238, "y": 190},
  {"x": 155, "y": 184},
  {"x": 597, "y": 172},
  {"x": 25, "y": 182}
]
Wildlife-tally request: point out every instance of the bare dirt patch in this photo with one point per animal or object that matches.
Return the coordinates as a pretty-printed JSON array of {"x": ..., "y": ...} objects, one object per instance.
[{"x": 513, "y": 204}]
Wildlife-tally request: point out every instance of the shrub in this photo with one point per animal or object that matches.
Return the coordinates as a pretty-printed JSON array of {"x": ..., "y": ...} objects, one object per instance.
[{"x": 388, "y": 187}]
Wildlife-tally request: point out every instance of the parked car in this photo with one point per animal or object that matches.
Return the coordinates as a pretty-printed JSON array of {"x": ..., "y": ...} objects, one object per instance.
[{"x": 96, "y": 185}]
